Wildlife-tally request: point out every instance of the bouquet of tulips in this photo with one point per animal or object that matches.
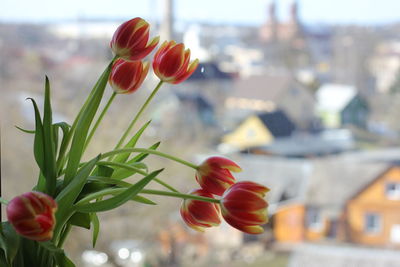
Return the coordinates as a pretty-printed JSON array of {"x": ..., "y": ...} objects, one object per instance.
[{"x": 70, "y": 192}]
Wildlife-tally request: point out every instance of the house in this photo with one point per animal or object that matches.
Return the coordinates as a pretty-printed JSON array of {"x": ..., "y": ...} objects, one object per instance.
[
  {"x": 269, "y": 92},
  {"x": 348, "y": 199},
  {"x": 260, "y": 129},
  {"x": 340, "y": 105}
]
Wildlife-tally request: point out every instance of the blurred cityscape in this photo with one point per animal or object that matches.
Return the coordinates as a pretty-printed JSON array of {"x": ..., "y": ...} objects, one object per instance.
[{"x": 311, "y": 111}]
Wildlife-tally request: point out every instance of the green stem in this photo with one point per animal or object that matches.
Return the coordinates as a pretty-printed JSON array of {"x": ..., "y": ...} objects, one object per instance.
[
  {"x": 64, "y": 235},
  {"x": 179, "y": 195},
  {"x": 106, "y": 107},
  {"x": 149, "y": 151},
  {"x": 121, "y": 165},
  {"x": 4, "y": 201},
  {"x": 121, "y": 141},
  {"x": 145, "y": 191}
]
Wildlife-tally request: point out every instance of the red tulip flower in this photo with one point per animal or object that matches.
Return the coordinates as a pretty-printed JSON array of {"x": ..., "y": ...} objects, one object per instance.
[
  {"x": 32, "y": 215},
  {"x": 127, "y": 76},
  {"x": 131, "y": 40},
  {"x": 243, "y": 207},
  {"x": 214, "y": 174},
  {"x": 200, "y": 214},
  {"x": 172, "y": 63}
]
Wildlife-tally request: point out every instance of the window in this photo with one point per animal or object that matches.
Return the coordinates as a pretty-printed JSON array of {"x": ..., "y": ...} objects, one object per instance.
[
  {"x": 372, "y": 223},
  {"x": 314, "y": 220},
  {"x": 393, "y": 190}
]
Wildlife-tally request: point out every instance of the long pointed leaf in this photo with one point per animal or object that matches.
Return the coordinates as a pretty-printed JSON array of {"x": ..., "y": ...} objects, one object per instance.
[
  {"x": 123, "y": 157},
  {"x": 48, "y": 141},
  {"x": 120, "y": 183},
  {"x": 122, "y": 173},
  {"x": 24, "y": 130},
  {"x": 96, "y": 228},
  {"x": 83, "y": 125},
  {"x": 69, "y": 194},
  {"x": 9, "y": 241},
  {"x": 38, "y": 146},
  {"x": 119, "y": 199}
]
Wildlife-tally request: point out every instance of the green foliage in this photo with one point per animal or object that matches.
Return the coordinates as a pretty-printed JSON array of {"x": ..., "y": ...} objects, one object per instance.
[
  {"x": 9, "y": 242},
  {"x": 119, "y": 199}
]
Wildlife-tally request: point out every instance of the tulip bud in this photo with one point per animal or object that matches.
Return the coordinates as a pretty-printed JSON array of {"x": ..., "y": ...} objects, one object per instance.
[
  {"x": 243, "y": 207},
  {"x": 199, "y": 214},
  {"x": 130, "y": 40},
  {"x": 127, "y": 76},
  {"x": 172, "y": 63},
  {"x": 32, "y": 215},
  {"x": 214, "y": 174}
]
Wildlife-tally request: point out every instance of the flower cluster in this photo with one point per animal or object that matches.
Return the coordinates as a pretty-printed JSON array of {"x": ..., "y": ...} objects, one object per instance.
[
  {"x": 242, "y": 203},
  {"x": 171, "y": 62},
  {"x": 70, "y": 192}
]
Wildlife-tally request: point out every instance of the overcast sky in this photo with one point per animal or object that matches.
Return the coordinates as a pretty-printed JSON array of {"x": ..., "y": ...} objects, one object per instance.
[{"x": 228, "y": 11}]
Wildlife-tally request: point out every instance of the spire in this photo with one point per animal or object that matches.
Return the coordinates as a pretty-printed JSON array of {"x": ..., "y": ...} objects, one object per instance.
[{"x": 294, "y": 12}]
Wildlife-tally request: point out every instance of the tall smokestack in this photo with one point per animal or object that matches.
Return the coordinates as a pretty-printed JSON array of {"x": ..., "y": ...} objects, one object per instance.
[
  {"x": 167, "y": 24},
  {"x": 294, "y": 12},
  {"x": 273, "y": 20}
]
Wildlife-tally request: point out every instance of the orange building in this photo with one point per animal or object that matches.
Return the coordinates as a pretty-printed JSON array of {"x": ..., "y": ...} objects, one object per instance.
[{"x": 357, "y": 203}]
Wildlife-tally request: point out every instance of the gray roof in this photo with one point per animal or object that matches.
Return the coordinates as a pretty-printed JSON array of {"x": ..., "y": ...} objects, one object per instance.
[
  {"x": 283, "y": 176},
  {"x": 263, "y": 87},
  {"x": 336, "y": 179}
]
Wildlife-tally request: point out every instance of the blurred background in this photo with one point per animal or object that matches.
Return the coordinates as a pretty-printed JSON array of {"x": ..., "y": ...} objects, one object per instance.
[{"x": 304, "y": 95}]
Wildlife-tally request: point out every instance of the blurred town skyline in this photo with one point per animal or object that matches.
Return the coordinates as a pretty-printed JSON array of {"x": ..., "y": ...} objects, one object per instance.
[{"x": 214, "y": 12}]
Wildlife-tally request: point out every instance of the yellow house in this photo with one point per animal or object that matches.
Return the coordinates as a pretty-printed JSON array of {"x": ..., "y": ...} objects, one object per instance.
[
  {"x": 252, "y": 132},
  {"x": 259, "y": 130}
]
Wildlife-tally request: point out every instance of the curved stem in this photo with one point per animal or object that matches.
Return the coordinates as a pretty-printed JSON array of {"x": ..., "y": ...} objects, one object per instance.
[
  {"x": 106, "y": 107},
  {"x": 138, "y": 115},
  {"x": 145, "y": 191},
  {"x": 179, "y": 195},
  {"x": 121, "y": 165},
  {"x": 149, "y": 151}
]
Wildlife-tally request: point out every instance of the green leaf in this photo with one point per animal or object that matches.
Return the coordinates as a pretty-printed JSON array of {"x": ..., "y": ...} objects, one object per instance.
[
  {"x": 96, "y": 227},
  {"x": 142, "y": 156},
  {"x": 48, "y": 141},
  {"x": 125, "y": 170},
  {"x": 24, "y": 130},
  {"x": 81, "y": 220},
  {"x": 9, "y": 241},
  {"x": 123, "y": 157},
  {"x": 3, "y": 260},
  {"x": 38, "y": 146},
  {"x": 122, "y": 173},
  {"x": 119, "y": 199},
  {"x": 120, "y": 183},
  {"x": 104, "y": 171},
  {"x": 83, "y": 125},
  {"x": 58, "y": 254},
  {"x": 65, "y": 127},
  {"x": 69, "y": 194}
]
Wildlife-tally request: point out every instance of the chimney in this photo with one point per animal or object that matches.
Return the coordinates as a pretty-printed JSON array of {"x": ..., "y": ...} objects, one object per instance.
[
  {"x": 167, "y": 23},
  {"x": 273, "y": 20},
  {"x": 294, "y": 12}
]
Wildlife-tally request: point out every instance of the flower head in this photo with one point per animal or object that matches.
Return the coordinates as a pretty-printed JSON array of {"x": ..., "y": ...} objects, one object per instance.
[
  {"x": 200, "y": 214},
  {"x": 131, "y": 40},
  {"x": 243, "y": 207},
  {"x": 127, "y": 76},
  {"x": 172, "y": 63},
  {"x": 214, "y": 174},
  {"x": 32, "y": 215}
]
